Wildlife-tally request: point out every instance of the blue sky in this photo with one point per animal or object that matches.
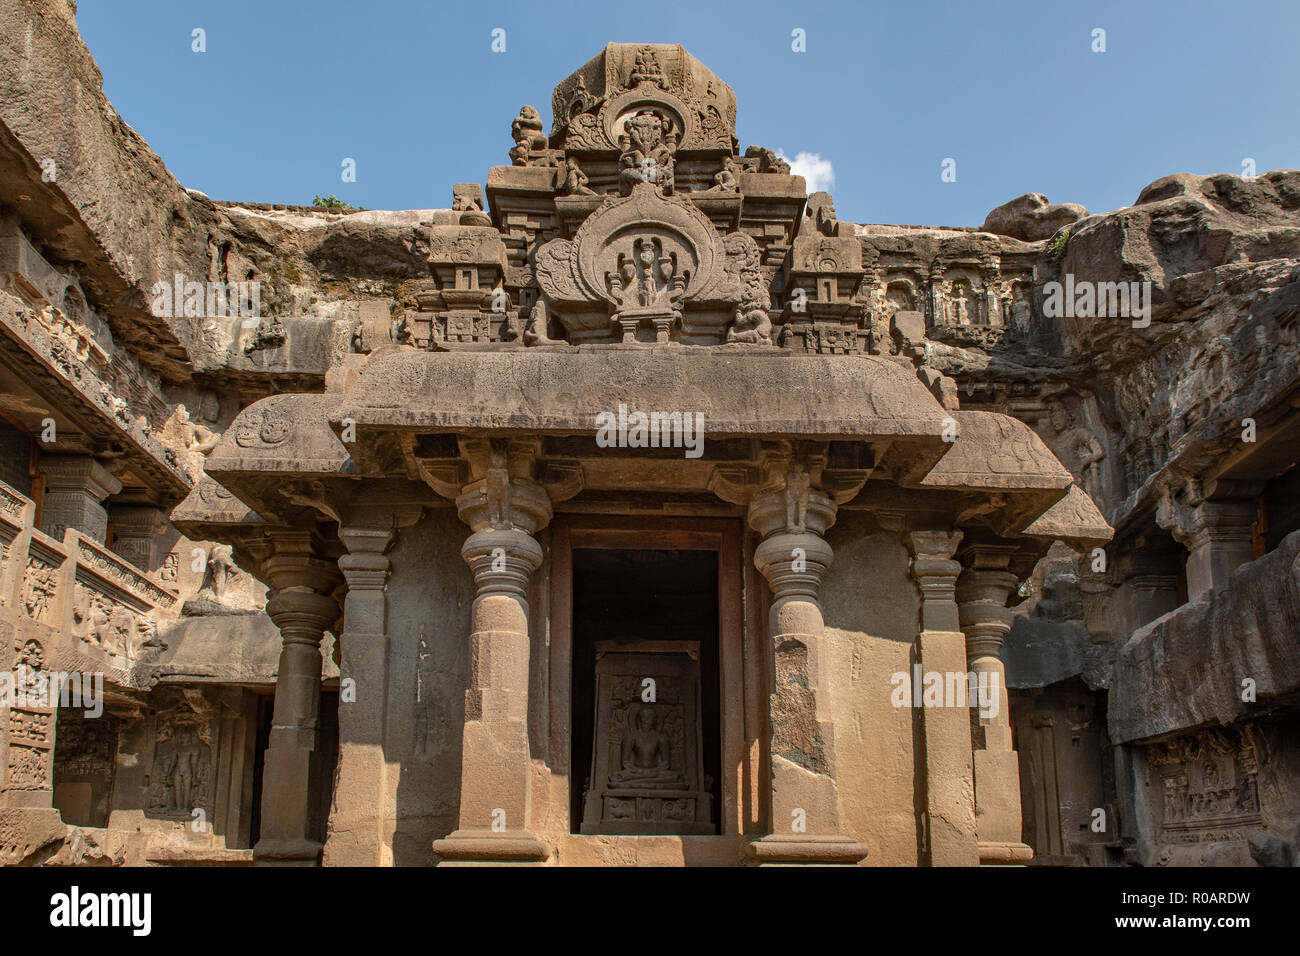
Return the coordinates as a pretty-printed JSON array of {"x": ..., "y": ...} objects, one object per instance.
[{"x": 884, "y": 92}]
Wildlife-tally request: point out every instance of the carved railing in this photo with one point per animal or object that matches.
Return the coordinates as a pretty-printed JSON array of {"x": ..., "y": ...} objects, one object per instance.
[{"x": 84, "y": 607}]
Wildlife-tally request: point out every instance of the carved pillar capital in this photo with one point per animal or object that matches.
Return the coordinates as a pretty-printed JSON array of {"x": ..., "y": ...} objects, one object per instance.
[
  {"x": 1214, "y": 524},
  {"x": 366, "y": 565},
  {"x": 982, "y": 591},
  {"x": 75, "y": 486},
  {"x": 502, "y": 503},
  {"x": 935, "y": 572},
  {"x": 135, "y": 527}
]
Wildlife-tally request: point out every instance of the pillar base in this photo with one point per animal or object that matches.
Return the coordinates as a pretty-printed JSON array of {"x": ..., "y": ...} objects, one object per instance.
[
  {"x": 1005, "y": 854},
  {"x": 287, "y": 853},
  {"x": 29, "y": 834},
  {"x": 488, "y": 847},
  {"x": 806, "y": 849}
]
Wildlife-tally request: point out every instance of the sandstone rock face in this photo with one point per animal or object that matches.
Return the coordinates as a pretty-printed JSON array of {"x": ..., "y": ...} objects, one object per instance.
[
  {"x": 1031, "y": 217},
  {"x": 1066, "y": 468}
]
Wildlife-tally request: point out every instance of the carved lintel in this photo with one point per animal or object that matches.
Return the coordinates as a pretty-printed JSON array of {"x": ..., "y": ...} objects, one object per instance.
[
  {"x": 735, "y": 484},
  {"x": 562, "y": 479},
  {"x": 447, "y": 477}
]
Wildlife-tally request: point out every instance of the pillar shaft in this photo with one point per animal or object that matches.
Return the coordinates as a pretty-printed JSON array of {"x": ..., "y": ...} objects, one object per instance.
[
  {"x": 940, "y": 648},
  {"x": 503, "y": 513},
  {"x": 982, "y": 593},
  {"x": 794, "y": 557},
  {"x": 359, "y": 822},
  {"x": 302, "y": 609}
]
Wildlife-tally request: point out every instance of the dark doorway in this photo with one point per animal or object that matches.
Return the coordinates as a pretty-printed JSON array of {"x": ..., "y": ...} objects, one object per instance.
[{"x": 631, "y": 596}]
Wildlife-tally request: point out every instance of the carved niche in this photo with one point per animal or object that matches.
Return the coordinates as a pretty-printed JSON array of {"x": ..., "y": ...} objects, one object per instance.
[
  {"x": 647, "y": 769},
  {"x": 1208, "y": 791},
  {"x": 648, "y": 263},
  {"x": 30, "y": 730},
  {"x": 181, "y": 778},
  {"x": 592, "y": 106}
]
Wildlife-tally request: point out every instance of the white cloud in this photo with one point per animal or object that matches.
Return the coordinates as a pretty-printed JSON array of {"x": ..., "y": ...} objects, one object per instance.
[{"x": 818, "y": 172}]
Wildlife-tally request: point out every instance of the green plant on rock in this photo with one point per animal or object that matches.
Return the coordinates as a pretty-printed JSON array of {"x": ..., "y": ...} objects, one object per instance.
[
  {"x": 1057, "y": 245},
  {"x": 332, "y": 202}
]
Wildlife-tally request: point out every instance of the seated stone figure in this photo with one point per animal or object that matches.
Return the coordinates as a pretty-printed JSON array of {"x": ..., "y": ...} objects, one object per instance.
[
  {"x": 750, "y": 323},
  {"x": 645, "y": 753}
]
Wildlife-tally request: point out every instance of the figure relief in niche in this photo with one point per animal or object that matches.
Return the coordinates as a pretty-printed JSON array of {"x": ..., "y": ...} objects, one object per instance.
[
  {"x": 1078, "y": 448},
  {"x": 574, "y": 180},
  {"x": 180, "y": 770},
  {"x": 646, "y": 69},
  {"x": 199, "y": 435},
  {"x": 497, "y": 488},
  {"x": 648, "y": 142},
  {"x": 964, "y": 310},
  {"x": 1020, "y": 309},
  {"x": 728, "y": 177},
  {"x": 646, "y": 754},
  {"x": 750, "y": 321},
  {"x": 797, "y": 484},
  {"x": 537, "y": 330},
  {"x": 648, "y": 277}
]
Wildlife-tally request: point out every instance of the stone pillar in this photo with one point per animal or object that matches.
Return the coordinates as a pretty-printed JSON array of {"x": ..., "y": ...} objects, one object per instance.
[
  {"x": 1219, "y": 542},
  {"x": 358, "y": 818},
  {"x": 496, "y": 767},
  {"x": 74, "y": 487},
  {"x": 135, "y": 529},
  {"x": 1150, "y": 576},
  {"x": 982, "y": 593},
  {"x": 1216, "y": 529},
  {"x": 794, "y": 557},
  {"x": 302, "y": 608},
  {"x": 951, "y": 836}
]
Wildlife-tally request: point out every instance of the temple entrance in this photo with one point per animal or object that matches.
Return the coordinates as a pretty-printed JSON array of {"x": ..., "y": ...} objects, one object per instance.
[{"x": 646, "y": 746}]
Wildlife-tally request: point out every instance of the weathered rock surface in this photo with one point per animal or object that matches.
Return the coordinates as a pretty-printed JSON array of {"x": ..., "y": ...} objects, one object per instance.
[{"x": 1031, "y": 217}]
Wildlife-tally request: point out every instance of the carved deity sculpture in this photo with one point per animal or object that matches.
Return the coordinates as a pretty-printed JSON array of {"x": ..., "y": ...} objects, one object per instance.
[
  {"x": 647, "y": 278},
  {"x": 181, "y": 768},
  {"x": 497, "y": 487},
  {"x": 574, "y": 182},
  {"x": 797, "y": 484},
  {"x": 648, "y": 143},
  {"x": 221, "y": 565},
  {"x": 527, "y": 126},
  {"x": 728, "y": 176},
  {"x": 646, "y": 69},
  {"x": 537, "y": 331},
  {"x": 197, "y": 436},
  {"x": 750, "y": 323},
  {"x": 1078, "y": 448},
  {"x": 961, "y": 304},
  {"x": 646, "y": 752}
]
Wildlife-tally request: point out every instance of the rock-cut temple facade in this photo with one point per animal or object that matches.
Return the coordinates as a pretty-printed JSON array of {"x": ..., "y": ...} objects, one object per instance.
[{"x": 635, "y": 509}]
